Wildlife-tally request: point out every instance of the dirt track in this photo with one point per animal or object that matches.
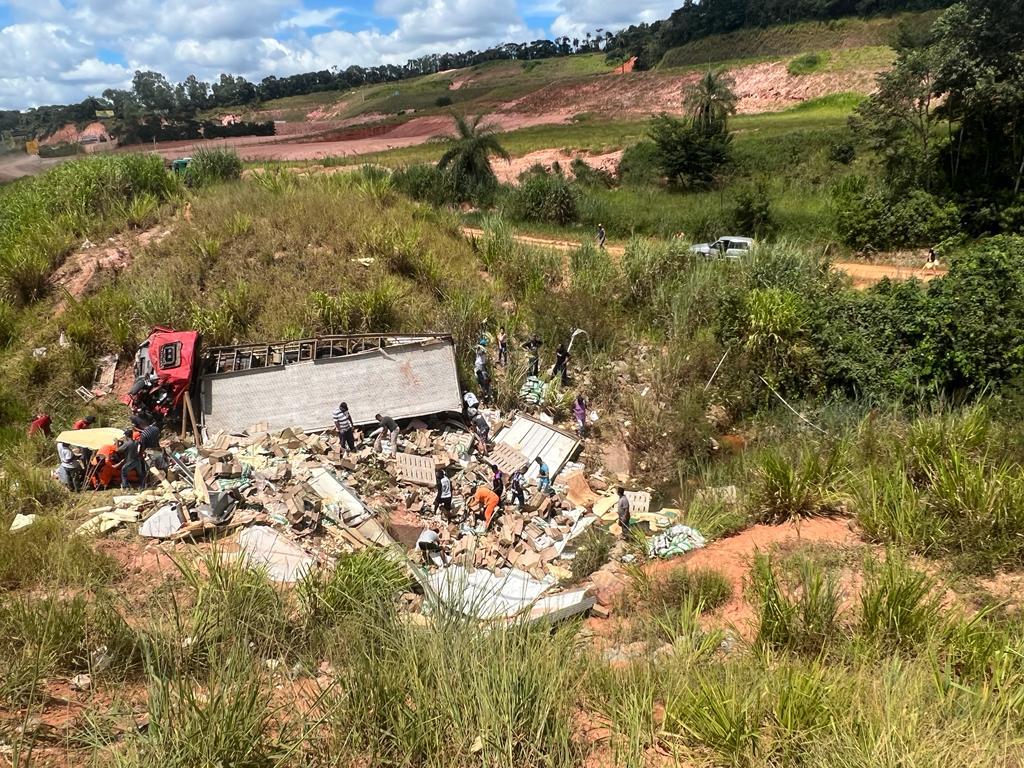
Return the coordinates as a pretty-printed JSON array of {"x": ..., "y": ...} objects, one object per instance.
[{"x": 864, "y": 275}]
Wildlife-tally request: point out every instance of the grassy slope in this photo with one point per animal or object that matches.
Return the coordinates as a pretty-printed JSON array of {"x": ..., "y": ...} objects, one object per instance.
[
  {"x": 792, "y": 39},
  {"x": 919, "y": 686}
]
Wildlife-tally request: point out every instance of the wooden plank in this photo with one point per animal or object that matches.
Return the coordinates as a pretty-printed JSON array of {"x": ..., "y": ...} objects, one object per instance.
[
  {"x": 417, "y": 469},
  {"x": 507, "y": 458}
]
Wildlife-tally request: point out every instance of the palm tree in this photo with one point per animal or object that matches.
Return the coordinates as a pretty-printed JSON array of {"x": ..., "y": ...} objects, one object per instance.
[
  {"x": 711, "y": 100},
  {"x": 469, "y": 157}
]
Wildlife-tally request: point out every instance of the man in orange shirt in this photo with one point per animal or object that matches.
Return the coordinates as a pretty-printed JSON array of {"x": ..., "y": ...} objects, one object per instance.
[{"x": 487, "y": 500}]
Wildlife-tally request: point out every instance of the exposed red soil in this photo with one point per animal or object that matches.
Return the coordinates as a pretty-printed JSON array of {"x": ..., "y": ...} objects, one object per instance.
[
  {"x": 81, "y": 271},
  {"x": 508, "y": 171}
]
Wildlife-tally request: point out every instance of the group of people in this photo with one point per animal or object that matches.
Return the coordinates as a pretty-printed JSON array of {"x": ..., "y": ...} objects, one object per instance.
[
  {"x": 484, "y": 501},
  {"x": 122, "y": 462}
]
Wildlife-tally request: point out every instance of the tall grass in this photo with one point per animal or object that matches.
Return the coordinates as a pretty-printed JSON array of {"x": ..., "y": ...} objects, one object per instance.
[
  {"x": 804, "y": 486},
  {"x": 41, "y": 218}
]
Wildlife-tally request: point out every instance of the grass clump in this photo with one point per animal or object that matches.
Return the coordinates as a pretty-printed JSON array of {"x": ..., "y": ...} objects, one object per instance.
[
  {"x": 807, "y": 63},
  {"x": 401, "y": 700},
  {"x": 791, "y": 489},
  {"x": 898, "y": 607},
  {"x": 364, "y": 581},
  {"x": 799, "y": 614},
  {"x": 213, "y": 166},
  {"x": 593, "y": 551}
]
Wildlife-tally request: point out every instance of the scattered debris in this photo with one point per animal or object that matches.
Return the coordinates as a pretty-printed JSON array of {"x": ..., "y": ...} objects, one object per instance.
[
  {"x": 22, "y": 521},
  {"x": 81, "y": 682}
]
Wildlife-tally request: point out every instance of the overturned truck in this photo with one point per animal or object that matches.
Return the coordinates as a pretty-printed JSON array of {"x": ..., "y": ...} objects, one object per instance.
[{"x": 271, "y": 386}]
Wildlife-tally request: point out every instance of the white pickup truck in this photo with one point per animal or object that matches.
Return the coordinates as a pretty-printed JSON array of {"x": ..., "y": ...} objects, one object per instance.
[{"x": 725, "y": 248}]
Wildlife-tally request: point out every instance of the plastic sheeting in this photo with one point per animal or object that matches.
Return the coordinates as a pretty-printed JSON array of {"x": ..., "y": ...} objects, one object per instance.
[{"x": 493, "y": 596}]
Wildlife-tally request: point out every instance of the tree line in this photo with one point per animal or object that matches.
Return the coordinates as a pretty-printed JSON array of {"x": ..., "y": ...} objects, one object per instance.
[{"x": 152, "y": 94}]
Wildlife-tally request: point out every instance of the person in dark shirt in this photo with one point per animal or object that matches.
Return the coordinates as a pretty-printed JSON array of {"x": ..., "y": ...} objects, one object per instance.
[
  {"x": 388, "y": 429},
  {"x": 533, "y": 348},
  {"x": 149, "y": 437},
  {"x": 130, "y": 460},
  {"x": 561, "y": 363},
  {"x": 515, "y": 485},
  {"x": 622, "y": 511}
]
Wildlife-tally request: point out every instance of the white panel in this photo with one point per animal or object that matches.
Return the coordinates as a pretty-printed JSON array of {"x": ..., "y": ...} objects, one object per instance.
[
  {"x": 534, "y": 438},
  {"x": 401, "y": 381}
]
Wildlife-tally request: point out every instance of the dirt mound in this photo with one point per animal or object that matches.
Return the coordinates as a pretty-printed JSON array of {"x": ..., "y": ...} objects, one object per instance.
[
  {"x": 508, "y": 172},
  {"x": 81, "y": 270},
  {"x": 764, "y": 87},
  {"x": 732, "y": 557},
  {"x": 70, "y": 134}
]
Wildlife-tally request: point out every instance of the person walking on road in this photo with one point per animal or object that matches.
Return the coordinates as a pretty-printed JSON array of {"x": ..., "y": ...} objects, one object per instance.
[
  {"x": 602, "y": 238},
  {"x": 345, "y": 427},
  {"x": 389, "y": 429}
]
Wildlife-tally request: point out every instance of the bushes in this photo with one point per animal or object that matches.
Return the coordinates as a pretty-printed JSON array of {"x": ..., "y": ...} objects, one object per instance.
[
  {"x": 212, "y": 166},
  {"x": 799, "y": 614},
  {"x": 877, "y": 220},
  {"x": 752, "y": 214},
  {"x": 689, "y": 156},
  {"x": 807, "y": 63},
  {"x": 425, "y": 182},
  {"x": 639, "y": 165},
  {"x": 592, "y": 552},
  {"x": 543, "y": 197}
]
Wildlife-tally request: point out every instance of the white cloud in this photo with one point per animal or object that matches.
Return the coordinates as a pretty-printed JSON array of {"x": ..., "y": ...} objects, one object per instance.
[
  {"x": 577, "y": 17},
  {"x": 53, "y": 51},
  {"x": 95, "y": 71}
]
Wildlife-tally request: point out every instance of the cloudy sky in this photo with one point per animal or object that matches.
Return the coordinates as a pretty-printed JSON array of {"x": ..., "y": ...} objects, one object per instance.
[{"x": 58, "y": 51}]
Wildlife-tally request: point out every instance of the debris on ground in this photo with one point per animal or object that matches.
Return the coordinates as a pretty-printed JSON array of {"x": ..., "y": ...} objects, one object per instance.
[{"x": 677, "y": 540}]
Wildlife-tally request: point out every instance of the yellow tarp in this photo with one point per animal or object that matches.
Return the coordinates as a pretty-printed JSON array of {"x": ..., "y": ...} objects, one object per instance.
[{"x": 93, "y": 439}]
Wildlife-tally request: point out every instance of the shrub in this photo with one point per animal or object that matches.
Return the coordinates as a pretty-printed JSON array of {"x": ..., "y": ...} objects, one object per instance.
[
  {"x": 213, "y": 166},
  {"x": 443, "y": 101},
  {"x": 688, "y": 155},
  {"x": 592, "y": 552},
  {"x": 544, "y": 197},
  {"x": 8, "y": 323},
  {"x": 587, "y": 176},
  {"x": 807, "y": 63},
  {"x": 787, "y": 489},
  {"x": 878, "y": 220},
  {"x": 752, "y": 214},
  {"x": 842, "y": 152},
  {"x": 425, "y": 182},
  {"x": 639, "y": 165},
  {"x": 898, "y": 608}
]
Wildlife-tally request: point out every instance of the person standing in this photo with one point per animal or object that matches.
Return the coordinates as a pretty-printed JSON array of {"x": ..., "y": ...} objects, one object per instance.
[
  {"x": 470, "y": 406},
  {"x": 502, "y": 347},
  {"x": 515, "y": 485},
  {"x": 602, "y": 238},
  {"x": 128, "y": 449},
  {"x": 388, "y": 427},
  {"x": 622, "y": 511},
  {"x": 70, "y": 471},
  {"x": 561, "y": 365},
  {"x": 149, "y": 437},
  {"x": 483, "y": 376},
  {"x": 543, "y": 476},
  {"x": 498, "y": 481},
  {"x": 443, "y": 500},
  {"x": 346, "y": 429},
  {"x": 579, "y": 412},
  {"x": 533, "y": 349}
]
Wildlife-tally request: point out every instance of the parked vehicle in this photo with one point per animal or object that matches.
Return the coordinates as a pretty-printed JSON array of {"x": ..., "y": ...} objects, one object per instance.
[{"x": 730, "y": 247}]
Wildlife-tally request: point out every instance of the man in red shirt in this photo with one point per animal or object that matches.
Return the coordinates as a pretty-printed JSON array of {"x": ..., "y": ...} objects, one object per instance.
[
  {"x": 85, "y": 423},
  {"x": 41, "y": 423}
]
